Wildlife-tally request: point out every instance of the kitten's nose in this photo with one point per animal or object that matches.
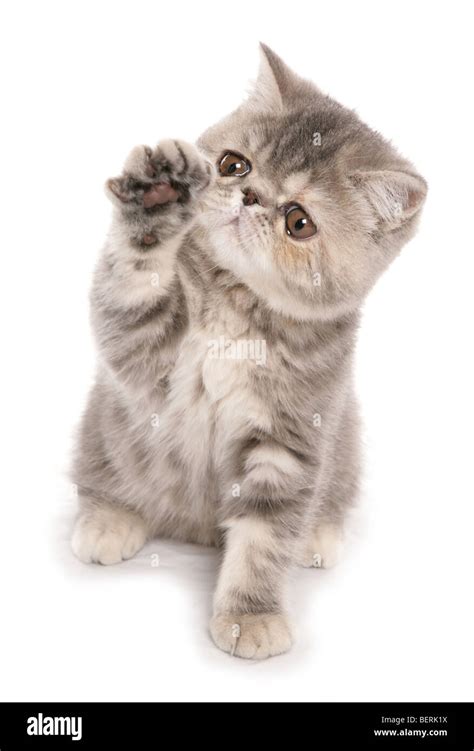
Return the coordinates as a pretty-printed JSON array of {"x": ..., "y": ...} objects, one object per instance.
[{"x": 250, "y": 197}]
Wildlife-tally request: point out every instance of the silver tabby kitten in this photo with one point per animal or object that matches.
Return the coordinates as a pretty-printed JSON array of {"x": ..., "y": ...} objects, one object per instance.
[{"x": 225, "y": 306}]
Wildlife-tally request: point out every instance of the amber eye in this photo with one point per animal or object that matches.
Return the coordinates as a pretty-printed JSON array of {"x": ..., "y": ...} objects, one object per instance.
[
  {"x": 298, "y": 224},
  {"x": 233, "y": 165}
]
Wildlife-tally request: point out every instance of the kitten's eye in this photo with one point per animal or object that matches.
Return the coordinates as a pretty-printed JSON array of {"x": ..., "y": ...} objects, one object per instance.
[
  {"x": 233, "y": 165},
  {"x": 298, "y": 224}
]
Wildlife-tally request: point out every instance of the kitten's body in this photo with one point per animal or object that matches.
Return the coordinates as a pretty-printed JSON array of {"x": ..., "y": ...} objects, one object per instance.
[
  {"x": 259, "y": 456},
  {"x": 165, "y": 440}
]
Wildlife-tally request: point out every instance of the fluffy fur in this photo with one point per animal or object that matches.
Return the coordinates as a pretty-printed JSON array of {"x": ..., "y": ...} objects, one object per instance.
[{"x": 258, "y": 456}]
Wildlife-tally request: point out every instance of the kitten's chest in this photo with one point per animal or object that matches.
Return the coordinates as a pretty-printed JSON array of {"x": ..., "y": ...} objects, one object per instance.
[
  {"x": 210, "y": 385},
  {"x": 213, "y": 360}
]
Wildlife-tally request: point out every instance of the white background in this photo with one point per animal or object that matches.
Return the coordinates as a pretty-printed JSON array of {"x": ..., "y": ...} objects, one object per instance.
[{"x": 83, "y": 83}]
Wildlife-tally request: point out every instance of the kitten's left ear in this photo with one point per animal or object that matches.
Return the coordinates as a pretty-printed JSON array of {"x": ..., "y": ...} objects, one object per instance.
[
  {"x": 276, "y": 83},
  {"x": 395, "y": 196}
]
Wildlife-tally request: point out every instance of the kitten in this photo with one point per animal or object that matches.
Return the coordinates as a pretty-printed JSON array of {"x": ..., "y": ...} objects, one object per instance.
[{"x": 225, "y": 306}]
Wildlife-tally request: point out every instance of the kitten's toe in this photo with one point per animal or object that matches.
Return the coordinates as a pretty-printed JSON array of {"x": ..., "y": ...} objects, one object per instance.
[
  {"x": 142, "y": 183},
  {"x": 251, "y": 636},
  {"x": 183, "y": 162},
  {"x": 108, "y": 535},
  {"x": 173, "y": 172},
  {"x": 323, "y": 549}
]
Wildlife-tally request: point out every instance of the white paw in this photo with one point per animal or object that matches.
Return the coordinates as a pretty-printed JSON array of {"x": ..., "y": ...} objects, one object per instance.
[
  {"x": 323, "y": 549},
  {"x": 251, "y": 636},
  {"x": 107, "y": 535}
]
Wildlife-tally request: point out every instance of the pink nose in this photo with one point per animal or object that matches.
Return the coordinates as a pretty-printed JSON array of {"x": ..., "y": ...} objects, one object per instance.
[{"x": 250, "y": 197}]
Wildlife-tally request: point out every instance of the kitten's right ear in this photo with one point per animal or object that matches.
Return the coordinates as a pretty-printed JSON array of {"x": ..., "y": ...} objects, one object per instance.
[
  {"x": 275, "y": 83},
  {"x": 394, "y": 196}
]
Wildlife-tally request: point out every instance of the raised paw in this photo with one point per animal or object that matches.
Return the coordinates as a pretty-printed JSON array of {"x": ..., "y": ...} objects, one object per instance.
[
  {"x": 172, "y": 172},
  {"x": 107, "y": 535},
  {"x": 251, "y": 636}
]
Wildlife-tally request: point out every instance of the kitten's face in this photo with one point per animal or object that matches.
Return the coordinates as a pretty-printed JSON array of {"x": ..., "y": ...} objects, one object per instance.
[{"x": 309, "y": 205}]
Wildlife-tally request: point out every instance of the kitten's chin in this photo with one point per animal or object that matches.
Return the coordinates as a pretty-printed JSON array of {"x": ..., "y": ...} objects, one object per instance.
[
  {"x": 265, "y": 282},
  {"x": 227, "y": 249}
]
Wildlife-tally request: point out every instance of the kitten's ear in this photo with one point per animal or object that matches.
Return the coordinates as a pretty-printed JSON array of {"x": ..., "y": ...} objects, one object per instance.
[
  {"x": 275, "y": 83},
  {"x": 395, "y": 196}
]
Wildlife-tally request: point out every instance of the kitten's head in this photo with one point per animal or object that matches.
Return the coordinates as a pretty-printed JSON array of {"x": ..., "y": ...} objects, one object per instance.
[{"x": 309, "y": 205}]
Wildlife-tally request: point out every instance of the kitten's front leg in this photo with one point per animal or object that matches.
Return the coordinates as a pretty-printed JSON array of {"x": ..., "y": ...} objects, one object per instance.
[
  {"x": 249, "y": 615},
  {"x": 139, "y": 309},
  {"x": 139, "y": 315},
  {"x": 262, "y": 531}
]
